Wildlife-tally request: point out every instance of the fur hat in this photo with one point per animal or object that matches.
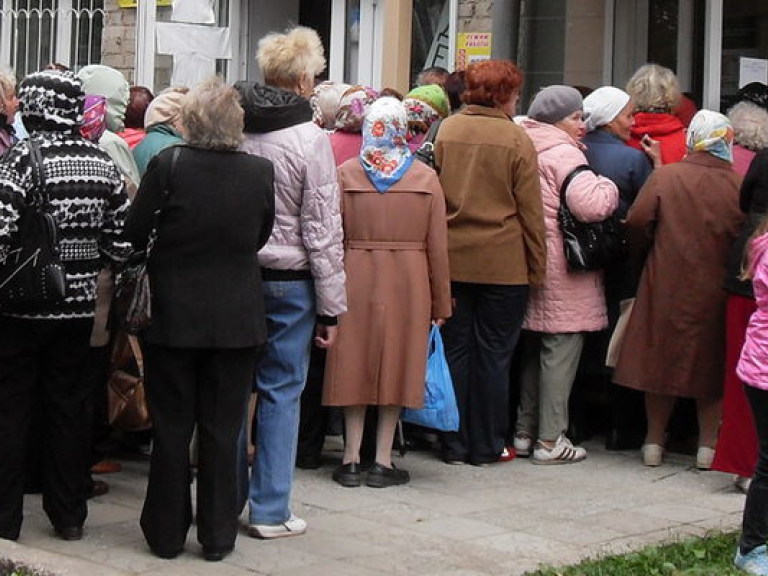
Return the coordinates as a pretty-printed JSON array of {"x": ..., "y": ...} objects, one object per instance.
[
  {"x": 52, "y": 101},
  {"x": 554, "y": 103}
]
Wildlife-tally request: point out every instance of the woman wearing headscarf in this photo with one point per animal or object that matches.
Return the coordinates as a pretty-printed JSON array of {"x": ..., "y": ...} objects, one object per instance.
[
  {"x": 656, "y": 92},
  {"x": 424, "y": 105},
  {"x": 610, "y": 117},
  {"x": 44, "y": 350},
  {"x": 737, "y": 440},
  {"x": 496, "y": 246},
  {"x": 138, "y": 101},
  {"x": 396, "y": 260},
  {"x": 340, "y": 109},
  {"x": 162, "y": 123},
  {"x": 302, "y": 263},
  {"x": 208, "y": 323},
  {"x": 567, "y": 304},
  {"x": 685, "y": 218},
  {"x": 9, "y": 105}
]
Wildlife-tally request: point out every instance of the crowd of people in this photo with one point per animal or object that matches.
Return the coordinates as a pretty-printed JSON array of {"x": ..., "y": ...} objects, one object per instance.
[{"x": 299, "y": 251}]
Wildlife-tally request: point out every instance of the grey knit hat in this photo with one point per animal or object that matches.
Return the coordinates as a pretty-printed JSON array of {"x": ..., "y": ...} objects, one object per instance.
[{"x": 554, "y": 103}]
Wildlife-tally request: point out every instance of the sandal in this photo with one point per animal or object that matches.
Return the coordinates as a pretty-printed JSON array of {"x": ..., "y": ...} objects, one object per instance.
[{"x": 563, "y": 452}]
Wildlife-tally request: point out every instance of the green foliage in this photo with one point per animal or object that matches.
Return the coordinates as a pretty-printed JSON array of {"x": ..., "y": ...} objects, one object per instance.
[
  {"x": 708, "y": 556},
  {"x": 10, "y": 568}
]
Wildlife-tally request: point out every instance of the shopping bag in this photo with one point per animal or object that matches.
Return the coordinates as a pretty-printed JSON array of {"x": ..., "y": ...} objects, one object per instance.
[
  {"x": 127, "y": 401},
  {"x": 440, "y": 410},
  {"x": 617, "y": 338}
]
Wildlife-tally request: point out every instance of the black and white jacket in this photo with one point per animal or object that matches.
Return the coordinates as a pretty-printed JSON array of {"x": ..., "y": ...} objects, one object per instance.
[{"x": 88, "y": 200}]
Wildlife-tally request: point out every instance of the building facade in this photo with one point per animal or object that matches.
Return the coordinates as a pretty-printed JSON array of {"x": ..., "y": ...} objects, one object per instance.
[{"x": 713, "y": 45}]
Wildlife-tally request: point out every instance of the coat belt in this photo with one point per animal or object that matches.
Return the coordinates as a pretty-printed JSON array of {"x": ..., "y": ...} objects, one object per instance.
[{"x": 383, "y": 245}]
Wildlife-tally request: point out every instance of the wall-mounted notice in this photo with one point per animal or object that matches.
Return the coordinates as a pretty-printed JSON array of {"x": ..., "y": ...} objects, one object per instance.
[
  {"x": 471, "y": 47},
  {"x": 753, "y": 70}
]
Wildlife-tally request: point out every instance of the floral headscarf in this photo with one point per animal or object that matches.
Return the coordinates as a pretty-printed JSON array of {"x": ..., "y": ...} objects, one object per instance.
[
  {"x": 711, "y": 132},
  {"x": 94, "y": 118},
  {"x": 385, "y": 155},
  {"x": 424, "y": 105},
  {"x": 353, "y": 106},
  {"x": 325, "y": 101}
]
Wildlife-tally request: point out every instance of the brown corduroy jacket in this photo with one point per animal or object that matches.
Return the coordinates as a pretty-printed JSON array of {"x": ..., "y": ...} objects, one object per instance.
[{"x": 489, "y": 173}]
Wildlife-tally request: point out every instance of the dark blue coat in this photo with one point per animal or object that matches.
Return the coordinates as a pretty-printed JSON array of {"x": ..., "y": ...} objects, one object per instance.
[{"x": 627, "y": 167}]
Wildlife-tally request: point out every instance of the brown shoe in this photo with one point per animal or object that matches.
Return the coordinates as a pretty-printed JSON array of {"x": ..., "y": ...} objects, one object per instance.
[
  {"x": 106, "y": 467},
  {"x": 98, "y": 488}
]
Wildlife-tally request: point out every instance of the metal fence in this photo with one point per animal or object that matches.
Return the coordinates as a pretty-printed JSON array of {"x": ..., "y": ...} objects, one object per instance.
[{"x": 34, "y": 33}]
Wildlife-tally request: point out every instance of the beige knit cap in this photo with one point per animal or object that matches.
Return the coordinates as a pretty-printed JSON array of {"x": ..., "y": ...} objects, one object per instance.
[{"x": 164, "y": 109}]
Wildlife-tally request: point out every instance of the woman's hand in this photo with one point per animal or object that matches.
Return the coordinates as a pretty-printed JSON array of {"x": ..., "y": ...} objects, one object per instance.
[
  {"x": 653, "y": 149},
  {"x": 325, "y": 336},
  {"x": 439, "y": 322}
]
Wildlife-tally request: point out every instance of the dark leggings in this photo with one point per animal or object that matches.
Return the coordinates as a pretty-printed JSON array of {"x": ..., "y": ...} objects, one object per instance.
[{"x": 754, "y": 529}]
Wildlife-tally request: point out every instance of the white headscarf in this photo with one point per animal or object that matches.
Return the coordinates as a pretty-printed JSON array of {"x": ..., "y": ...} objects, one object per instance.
[{"x": 603, "y": 105}]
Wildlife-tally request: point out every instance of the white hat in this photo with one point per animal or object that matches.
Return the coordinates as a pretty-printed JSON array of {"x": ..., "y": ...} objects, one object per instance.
[{"x": 603, "y": 105}]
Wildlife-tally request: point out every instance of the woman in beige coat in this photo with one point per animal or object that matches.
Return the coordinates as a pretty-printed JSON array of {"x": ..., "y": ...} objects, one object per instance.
[{"x": 396, "y": 259}]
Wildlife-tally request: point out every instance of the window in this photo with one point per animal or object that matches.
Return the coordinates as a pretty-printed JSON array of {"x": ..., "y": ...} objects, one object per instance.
[{"x": 34, "y": 33}]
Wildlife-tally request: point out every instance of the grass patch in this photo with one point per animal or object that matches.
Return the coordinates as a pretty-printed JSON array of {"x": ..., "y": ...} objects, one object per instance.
[
  {"x": 708, "y": 556},
  {"x": 10, "y": 568}
]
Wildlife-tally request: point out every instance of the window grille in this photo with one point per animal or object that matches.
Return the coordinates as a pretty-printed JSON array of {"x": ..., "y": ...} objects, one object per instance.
[{"x": 34, "y": 33}]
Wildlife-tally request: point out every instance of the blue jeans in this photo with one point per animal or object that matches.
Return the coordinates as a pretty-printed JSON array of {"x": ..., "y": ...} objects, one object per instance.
[{"x": 280, "y": 379}]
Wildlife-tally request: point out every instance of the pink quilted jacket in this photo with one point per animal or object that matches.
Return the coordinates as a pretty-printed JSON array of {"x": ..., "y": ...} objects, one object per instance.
[
  {"x": 753, "y": 364},
  {"x": 567, "y": 302}
]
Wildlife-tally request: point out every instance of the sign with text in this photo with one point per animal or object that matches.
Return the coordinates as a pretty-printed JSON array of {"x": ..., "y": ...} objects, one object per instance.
[{"x": 472, "y": 47}]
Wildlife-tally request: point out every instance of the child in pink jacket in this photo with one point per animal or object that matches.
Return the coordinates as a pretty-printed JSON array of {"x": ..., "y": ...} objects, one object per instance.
[{"x": 752, "y": 556}]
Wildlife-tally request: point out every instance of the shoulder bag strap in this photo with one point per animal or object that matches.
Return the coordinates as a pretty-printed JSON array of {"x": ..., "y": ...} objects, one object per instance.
[
  {"x": 38, "y": 170},
  {"x": 133, "y": 341},
  {"x": 166, "y": 194},
  {"x": 568, "y": 179}
]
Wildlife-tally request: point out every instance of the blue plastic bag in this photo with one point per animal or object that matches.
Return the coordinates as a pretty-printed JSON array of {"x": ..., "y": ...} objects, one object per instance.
[{"x": 440, "y": 410}]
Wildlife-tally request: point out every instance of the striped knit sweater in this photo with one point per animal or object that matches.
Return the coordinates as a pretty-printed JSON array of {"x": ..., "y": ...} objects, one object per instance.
[{"x": 88, "y": 200}]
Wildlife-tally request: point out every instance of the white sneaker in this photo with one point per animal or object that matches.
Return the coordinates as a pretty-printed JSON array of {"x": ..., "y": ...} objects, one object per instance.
[
  {"x": 523, "y": 442},
  {"x": 742, "y": 483},
  {"x": 653, "y": 454},
  {"x": 563, "y": 452},
  {"x": 704, "y": 457},
  {"x": 294, "y": 526}
]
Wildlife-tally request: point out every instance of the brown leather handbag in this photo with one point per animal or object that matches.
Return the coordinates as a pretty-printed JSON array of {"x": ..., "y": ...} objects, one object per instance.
[{"x": 127, "y": 402}]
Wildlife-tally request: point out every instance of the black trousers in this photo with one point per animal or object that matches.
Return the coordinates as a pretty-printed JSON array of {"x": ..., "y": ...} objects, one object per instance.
[
  {"x": 208, "y": 388},
  {"x": 41, "y": 378},
  {"x": 754, "y": 526},
  {"x": 480, "y": 339}
]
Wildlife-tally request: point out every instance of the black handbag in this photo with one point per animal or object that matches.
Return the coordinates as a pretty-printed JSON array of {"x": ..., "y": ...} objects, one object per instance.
[
  {"x": 426, "y": 152},
  {"x": 133, "y": 298},
  {"x": 589, "y": 245},
  {"x": 32, "y": 275}
]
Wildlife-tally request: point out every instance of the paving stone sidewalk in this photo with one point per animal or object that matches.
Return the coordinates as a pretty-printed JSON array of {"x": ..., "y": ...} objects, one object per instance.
[{"x": 503, "y": 519}]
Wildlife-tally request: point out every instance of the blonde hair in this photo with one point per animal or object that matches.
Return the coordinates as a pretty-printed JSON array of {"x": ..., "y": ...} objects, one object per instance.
[
  {"x": 750, "y": 125},
  {"x": 7, "y": 86},
  {"x": 212, "y": 117},
  {"x": 654, "y": 88},
  {"x": 284, "y": 58}
]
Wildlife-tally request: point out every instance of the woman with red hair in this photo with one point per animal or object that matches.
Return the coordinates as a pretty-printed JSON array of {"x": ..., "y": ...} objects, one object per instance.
[{"x": 496, "y": 246}]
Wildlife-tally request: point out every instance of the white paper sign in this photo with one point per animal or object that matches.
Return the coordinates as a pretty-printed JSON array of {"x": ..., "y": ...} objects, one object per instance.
[
  {"x": 752, "y": 70},
  {"x": 195, "y": 50},
  {"x": 193, "y": 11}
]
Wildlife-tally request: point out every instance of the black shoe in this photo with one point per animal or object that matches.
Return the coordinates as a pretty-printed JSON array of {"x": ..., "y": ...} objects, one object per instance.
[
  {"x": 308, "y": 462},
  {"x": 382, "y": 477},
  {"x": 97, "y": 488},
  {"x": 348, "y": 475},
  {"x": 165, "y": 554},
  {"x": 70, "y": 533},
  {"x": 216, "y": 554}
]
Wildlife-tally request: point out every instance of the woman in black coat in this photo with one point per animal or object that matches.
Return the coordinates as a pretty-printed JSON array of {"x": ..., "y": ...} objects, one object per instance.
[{"x": 207, "y": 316}]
